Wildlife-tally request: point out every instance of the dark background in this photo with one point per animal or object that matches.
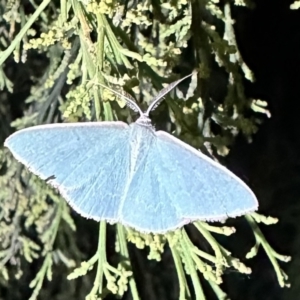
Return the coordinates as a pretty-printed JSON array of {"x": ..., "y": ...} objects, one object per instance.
[{"x": 269, "y": 40}]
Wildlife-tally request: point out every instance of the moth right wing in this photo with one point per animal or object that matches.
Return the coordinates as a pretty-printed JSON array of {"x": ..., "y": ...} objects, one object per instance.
[
  {"x": 200, "y": 188},
  {"x": 176, "y": 184}
]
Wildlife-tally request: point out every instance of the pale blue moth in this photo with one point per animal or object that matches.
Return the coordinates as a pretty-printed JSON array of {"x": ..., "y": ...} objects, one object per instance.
[{"x": 132, "y": 174}]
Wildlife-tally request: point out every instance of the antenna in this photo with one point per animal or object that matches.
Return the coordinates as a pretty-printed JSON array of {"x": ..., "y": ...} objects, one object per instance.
[
  {"x": 130, "y": 101},
  {"x": 160, "y": 96}
]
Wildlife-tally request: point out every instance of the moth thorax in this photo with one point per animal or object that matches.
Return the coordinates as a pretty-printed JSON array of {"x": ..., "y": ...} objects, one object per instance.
[{"x": 144, "y": 121}]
